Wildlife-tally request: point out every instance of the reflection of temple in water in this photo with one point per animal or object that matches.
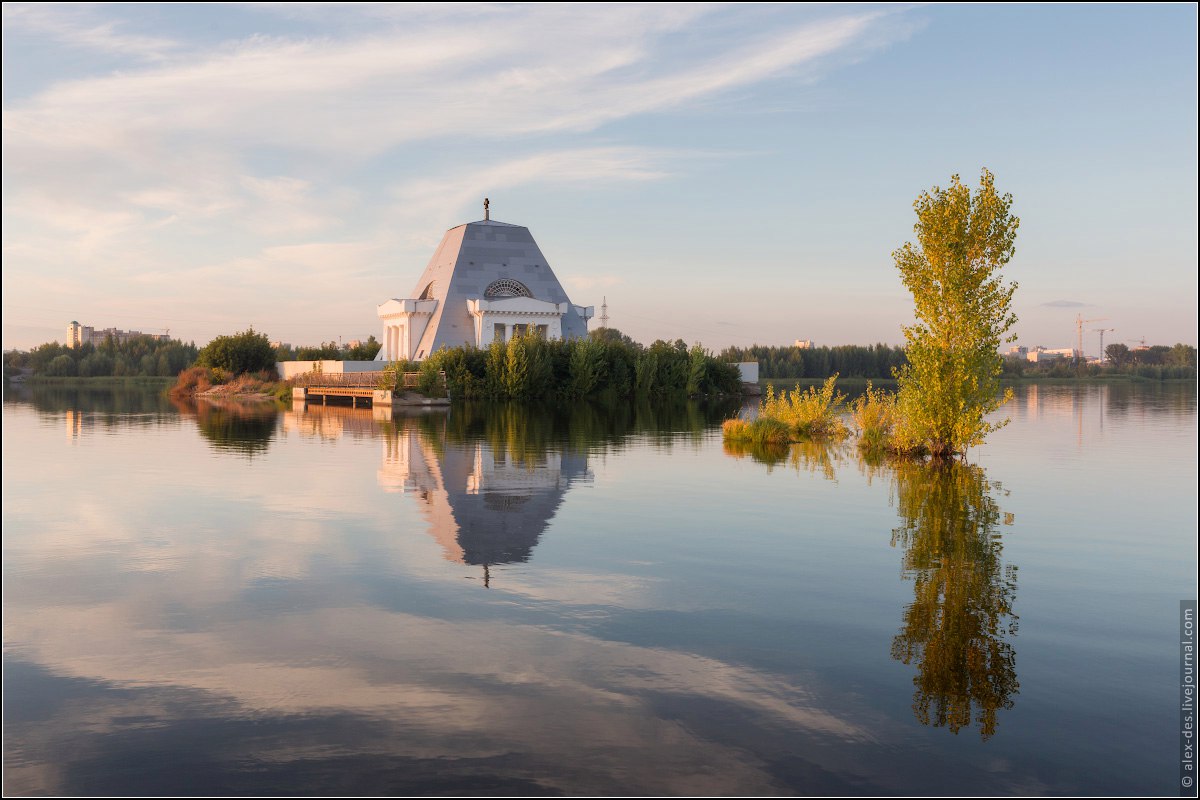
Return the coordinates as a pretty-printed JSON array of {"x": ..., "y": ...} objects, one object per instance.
[
  {"x": 487, "y": 497},
  {"x": 487, "y": 502}
]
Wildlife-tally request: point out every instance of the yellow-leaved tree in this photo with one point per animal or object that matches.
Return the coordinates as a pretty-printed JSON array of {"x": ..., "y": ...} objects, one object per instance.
[{"x": 963, "y": 311}]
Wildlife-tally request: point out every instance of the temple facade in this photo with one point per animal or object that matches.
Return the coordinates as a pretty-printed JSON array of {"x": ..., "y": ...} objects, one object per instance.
[{"x": 487, "y": 280}]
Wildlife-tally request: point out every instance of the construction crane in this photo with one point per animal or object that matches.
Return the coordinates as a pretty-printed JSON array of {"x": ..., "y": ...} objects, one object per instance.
[
  {"x": 1102, "y": 331},
  {"x": 1079, "y": 320}
]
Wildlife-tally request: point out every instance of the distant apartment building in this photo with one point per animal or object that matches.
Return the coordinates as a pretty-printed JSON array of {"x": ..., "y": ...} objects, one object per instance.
[
  {"x": 79, "y": 335},
  {"x": 1041, "y": 355},
  {"x": 803, "y": 344}
]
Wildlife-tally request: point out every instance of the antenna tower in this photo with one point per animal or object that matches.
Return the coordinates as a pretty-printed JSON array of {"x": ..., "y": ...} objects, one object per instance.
[{"x": 604, "y": 314}]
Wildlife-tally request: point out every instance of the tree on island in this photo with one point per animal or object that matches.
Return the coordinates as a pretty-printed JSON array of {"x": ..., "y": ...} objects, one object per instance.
[
  {"x": 243, "y": 352},
  {"x": 963, "y": 310}
]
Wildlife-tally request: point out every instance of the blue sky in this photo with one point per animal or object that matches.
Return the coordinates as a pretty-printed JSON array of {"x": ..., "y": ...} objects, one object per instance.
[{"x": 722, "y": 174}]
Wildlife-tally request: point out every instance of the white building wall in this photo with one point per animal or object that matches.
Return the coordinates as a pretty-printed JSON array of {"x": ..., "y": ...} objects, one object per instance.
[{"x": 749, "y": 371}]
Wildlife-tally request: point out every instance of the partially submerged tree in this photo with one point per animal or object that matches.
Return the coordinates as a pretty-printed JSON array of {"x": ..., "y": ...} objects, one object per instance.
[{"x": 963, "y": 311}]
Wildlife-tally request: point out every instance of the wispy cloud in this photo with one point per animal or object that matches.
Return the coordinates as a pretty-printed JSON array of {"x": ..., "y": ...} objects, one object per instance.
[
  {"x": 1065, "y": 304},
  {"x": 439, "y": 199},
  {"x": 77, "y": 26},
  {"x": 368, "y": 124}
]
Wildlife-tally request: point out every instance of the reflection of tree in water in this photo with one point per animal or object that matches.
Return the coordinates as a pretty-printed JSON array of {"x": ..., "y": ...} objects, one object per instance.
[
  {"x": 957, "y": 628},
  {"x": 814, "y": 457},
  {"x": 233, "y": 427},
  {"x": 97, "y": 406},
  {"x": 534, "y": 427}
]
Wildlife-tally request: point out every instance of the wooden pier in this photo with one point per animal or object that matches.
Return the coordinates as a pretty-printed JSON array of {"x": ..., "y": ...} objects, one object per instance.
[{"x": 360, "y": 389}]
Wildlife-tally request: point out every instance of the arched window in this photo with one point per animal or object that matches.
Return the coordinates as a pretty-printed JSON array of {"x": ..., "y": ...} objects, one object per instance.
[{"x": 506, "y": 287}]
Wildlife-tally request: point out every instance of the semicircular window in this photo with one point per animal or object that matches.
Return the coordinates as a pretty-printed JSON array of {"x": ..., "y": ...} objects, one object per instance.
[
  {"x": 428, "y": 293},
  {"x": 506, "y": 287}
]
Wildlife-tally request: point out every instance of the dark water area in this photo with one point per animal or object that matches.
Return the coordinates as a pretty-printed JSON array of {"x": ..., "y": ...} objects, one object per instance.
[{"x": 545, "y": 600}]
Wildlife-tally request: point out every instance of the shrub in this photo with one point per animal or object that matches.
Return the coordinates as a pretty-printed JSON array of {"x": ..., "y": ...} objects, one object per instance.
[
  {"x": 874, "y": 414},
  {"x": 192, "y": 381},
  {"x": 429, "y": 380},
  {"x": 812, "y": 413}
]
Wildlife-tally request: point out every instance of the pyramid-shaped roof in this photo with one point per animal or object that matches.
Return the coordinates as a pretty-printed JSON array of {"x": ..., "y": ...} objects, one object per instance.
[{"x": 470, "y": 259}]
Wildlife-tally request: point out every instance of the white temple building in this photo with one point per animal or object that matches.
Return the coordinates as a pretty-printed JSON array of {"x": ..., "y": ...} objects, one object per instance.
[{"x": 487, "y": 280}]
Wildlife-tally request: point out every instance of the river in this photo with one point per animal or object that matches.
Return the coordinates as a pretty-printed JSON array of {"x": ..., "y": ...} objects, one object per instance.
[{"x": 517, "y": 599}]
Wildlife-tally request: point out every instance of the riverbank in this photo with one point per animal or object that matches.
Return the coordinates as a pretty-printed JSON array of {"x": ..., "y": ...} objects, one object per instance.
[{"x": 205, "y": 384}]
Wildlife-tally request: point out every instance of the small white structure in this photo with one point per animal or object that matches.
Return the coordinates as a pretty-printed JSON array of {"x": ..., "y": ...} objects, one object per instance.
[
  {"x": 487, "y": 280},
  {"x": 748, "y": 371}
]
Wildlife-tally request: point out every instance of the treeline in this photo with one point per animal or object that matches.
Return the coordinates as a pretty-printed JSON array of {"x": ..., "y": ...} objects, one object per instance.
[
  {"x": 603, "y": 364},
  {"x": 1120, "y": 356},
  {"x": 847, "y": 360},
  {"x": 330, "y": 351},
  {"x": 138, "y": 356}
]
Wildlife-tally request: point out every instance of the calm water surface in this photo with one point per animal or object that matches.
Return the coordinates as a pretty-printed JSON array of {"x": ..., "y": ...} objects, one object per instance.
[{"x": 518, "y": 599}]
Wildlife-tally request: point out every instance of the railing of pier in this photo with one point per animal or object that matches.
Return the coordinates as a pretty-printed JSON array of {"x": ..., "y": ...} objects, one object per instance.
[{"x": 365, "y": 380}]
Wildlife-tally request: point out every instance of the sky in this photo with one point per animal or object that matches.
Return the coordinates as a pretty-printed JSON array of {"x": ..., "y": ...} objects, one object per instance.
[{"x": 728, "y": 175}]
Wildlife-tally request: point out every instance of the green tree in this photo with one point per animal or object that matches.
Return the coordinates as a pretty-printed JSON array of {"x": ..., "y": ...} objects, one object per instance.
[
  {"x": 963, "y": 311},
  {"x": 61, "y": 367},
  {"x": 1118, "y": 355},
  {"x": 365, "y": 351},
  {"x": 612, "y": 335},
  {"x": 1181, "y": 355},
  {"x": 247, "y": 351}
]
